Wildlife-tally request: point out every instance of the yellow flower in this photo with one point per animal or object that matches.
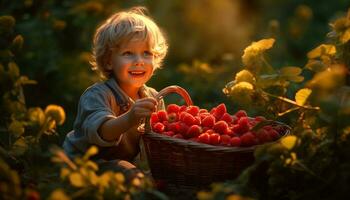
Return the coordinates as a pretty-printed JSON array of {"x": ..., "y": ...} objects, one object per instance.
[
  {"x": 56, "y": 113},
  {"x": 240, "y": 92},
  {"x": 289, "y": 142},
  {"x": 36, "y": 115},
  {"x": 245, "y": 76},
  {"x": 291, "y": 160},
  {"x": 252, "y": 52},
  {"x": 119, "y": 177}
]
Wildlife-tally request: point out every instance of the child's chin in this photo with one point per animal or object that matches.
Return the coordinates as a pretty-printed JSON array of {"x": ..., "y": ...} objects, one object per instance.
[{"x": 138, "y": 83}]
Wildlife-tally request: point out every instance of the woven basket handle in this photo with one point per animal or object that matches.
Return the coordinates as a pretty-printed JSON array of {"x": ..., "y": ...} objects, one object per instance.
[{"x": 168, "y": 90}]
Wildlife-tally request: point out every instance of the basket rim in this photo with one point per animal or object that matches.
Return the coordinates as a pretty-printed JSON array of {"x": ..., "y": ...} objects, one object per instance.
[{"x": 209, "y": 147}]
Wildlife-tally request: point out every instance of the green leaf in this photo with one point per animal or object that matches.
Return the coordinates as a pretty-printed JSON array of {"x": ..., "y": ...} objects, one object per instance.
[
  {"x": 290, "y": 71},
  {"x": 19, "y": 147},
  {"x": 302, "y": 95},
  {"x": 17, "y": 42},
  {"x": 24, "y": 80},
  {"x": 316, "y": 66},
  {"x": 323, "y": 49},
  {"x": 345, "y": 37},
  {"x": 13, "y": 70},
  {"x": 16, "y": 128},
  {"x": 296, "y": 79}
]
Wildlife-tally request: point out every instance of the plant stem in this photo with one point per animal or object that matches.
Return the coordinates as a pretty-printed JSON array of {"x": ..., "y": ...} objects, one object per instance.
[{"x": 291, "y": 101}]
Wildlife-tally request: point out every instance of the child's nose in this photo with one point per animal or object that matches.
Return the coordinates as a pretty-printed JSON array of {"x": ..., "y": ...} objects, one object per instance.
[{"x": 139, "y": 60}]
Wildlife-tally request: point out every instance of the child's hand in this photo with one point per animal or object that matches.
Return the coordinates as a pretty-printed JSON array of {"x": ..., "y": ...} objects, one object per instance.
[{"x": 142, "y": 108}]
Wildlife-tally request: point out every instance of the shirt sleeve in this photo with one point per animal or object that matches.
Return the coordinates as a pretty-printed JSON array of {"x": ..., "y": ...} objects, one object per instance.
[{"x": 95, "y": 109}]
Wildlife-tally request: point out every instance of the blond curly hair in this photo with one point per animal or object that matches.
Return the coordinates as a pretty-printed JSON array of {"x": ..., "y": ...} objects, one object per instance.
[{"x": 123, "y": 26}]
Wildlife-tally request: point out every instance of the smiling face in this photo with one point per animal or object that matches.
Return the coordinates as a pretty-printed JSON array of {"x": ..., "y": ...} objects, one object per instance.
[{"x": 132, "y": 63}]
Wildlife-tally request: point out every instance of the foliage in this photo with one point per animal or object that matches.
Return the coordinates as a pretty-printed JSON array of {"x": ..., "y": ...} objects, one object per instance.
[
  {"x": 314, "y": 161},
  {"x": 85, "y": 183}
]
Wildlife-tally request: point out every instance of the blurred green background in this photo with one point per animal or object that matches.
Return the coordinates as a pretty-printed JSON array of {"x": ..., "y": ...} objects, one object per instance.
[{"x": 206, "y": 39}]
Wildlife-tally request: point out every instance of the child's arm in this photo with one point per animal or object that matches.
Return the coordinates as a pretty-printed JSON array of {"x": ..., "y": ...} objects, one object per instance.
[{"x": 112, "y": 129}]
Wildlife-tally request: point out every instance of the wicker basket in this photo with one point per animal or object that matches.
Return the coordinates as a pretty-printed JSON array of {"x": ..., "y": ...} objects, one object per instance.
[{"x": 186, "y": 163}]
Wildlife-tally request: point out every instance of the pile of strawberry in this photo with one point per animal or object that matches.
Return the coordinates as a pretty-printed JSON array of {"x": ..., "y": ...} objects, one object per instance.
[{"x": 216, "y": 127}]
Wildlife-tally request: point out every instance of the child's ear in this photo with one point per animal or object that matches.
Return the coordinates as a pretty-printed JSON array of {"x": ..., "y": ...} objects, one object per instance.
[{"x": 109, "y": 62}]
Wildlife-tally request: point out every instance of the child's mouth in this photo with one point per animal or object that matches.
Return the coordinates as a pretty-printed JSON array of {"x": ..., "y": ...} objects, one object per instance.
[{"x": 137, "y": 73}]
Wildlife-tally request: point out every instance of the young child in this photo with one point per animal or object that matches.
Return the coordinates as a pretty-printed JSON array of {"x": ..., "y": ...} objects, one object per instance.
[{"x": 127, "y": 48}]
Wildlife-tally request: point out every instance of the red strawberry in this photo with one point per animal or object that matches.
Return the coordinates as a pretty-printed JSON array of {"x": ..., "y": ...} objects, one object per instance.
[
  {"x": 183, "y": 108},
  {"x": 263, "y": 136},
  {"x": 193, "y": 110},
  {"x": 214, "y": 139},
  {"x": 268, "y": 127},
  {"x": 240, "y": 129},
  {"x": 194, "y": 131},
  {"x": 166, "y": 125},
  {"x": 158, "y": 127},
  {"x": 234, "y": 119},
  {"x": 205, "y": 129},
  {"x": 183, "y": 128},
  {"x": 202, "y": 110},
  {"x": 227, "y": 118},
  {"x": 273, "y": 134},
  {"x": 169, "y": 133},
  {"x": 175, "y": 127},
  {"x": 178, "y": 136},
  {"x": 259, "y": 118},
  {"x": 154, "y": 118},
  {"x": 235, "y": 141},
  {"x": 188, "y": 119},
  {"x": 248, "y": 139},
  {"x": 203, "y": 115},
  {"x": 243, "y": 121},
  {"x": 229, "y": 132},
  {"x": 162, "y": 115},
  {"x": 225, "y": 140},
  {"x": 212, "y": 110},
  {"x": 220, "y": 127},
  {"x": 173, "y": 108},
  {"x": 210, "y": 131},
  {"x": 182, "y": 115},
  {"x": 219, "y": 111},
  {"x": 173, "y": 117},
  {"x": 197, "y": 120},
  {"x": 241, "y": 113},
  {"x": 208, "y": 121},
  {"x": 204, "y": 138},
  {"x": 244, "y": 125}
]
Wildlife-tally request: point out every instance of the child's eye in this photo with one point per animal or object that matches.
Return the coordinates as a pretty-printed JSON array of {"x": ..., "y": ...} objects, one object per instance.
[
  {"x": 126, "y": 53},
  {"x": 147, "y": 53}
]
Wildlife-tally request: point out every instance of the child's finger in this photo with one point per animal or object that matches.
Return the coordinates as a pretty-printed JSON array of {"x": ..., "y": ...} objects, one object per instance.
[
  {"x": 145, "y": 104},
  {"x": 142, "y": 110},
  {"x": 148, "y": 99}
]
